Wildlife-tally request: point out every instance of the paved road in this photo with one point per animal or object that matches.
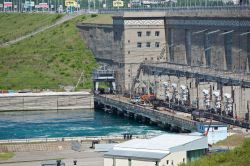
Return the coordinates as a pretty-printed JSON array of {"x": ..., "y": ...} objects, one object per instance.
[{"x": 34, "y": 158}]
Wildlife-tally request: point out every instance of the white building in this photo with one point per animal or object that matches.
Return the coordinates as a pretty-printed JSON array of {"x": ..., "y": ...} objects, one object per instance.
[{"x": 164, "y": 150}]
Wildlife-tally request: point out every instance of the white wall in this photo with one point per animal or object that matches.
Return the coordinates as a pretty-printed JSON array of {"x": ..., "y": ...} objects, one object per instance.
[{"x": 175, "y": 158}]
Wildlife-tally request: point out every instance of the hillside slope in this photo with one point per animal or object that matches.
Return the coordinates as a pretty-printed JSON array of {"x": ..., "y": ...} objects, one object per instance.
[
  {"x": 47, "y": 60},
  {"x": 14, "y": 25},
  {"x": 238, "y": 157}
]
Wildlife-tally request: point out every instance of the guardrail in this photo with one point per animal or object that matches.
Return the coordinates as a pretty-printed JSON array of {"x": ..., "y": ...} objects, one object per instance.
[{"x": 176, "y": 9}]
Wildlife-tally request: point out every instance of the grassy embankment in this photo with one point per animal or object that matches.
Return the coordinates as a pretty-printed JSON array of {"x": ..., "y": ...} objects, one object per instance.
[
  {"x": 15, "y": 25},
  {"x": 6, "y": 155},
  {"x": 49, "y": 59},
  {"x": 240, "y": 156}
]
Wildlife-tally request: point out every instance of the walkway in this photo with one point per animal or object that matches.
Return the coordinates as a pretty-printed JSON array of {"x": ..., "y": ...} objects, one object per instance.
[{"x": 60, "y": 21}]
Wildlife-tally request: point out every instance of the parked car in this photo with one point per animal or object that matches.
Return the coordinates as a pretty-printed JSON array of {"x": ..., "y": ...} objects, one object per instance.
[{"x": 135, "y": 100}]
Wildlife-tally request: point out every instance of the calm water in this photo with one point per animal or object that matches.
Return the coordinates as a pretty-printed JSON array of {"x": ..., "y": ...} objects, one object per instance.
[{"x": 69, "y": 123}]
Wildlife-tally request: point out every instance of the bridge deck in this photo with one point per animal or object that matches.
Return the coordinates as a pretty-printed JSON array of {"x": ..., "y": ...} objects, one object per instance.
[{"x": 164, "y": 117}]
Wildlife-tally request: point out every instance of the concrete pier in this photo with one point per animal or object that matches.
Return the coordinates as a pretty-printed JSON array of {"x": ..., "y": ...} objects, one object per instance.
[{"x": 161, "y": 118}]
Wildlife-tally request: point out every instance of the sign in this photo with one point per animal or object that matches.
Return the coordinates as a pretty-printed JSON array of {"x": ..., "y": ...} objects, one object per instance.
[
  {"x": 1, "y": 5},
  {"x": 28, "y": 4},
  {"x": 42, "y": 5},
  {"x": 7, "y": 4},
  {"x": 15, "y": 6},
  {"x": 72, "y": 3},
  {"x": 118, "y": 3}
]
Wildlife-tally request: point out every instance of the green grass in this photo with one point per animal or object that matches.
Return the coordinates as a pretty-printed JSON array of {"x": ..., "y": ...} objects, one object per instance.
[
  {"x": 14, "y": 25},
  {"x": 99, "y": 19},
  {"x": 233, "y": 140},
  {"x": 6, "y": 155},
  {"x": 47, "y": 60},
  {"x": 240, "y": 156}
]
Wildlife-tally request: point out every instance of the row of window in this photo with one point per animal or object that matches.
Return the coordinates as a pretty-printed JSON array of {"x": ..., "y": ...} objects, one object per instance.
[
  {"x": 148, "y": 44},
  {"x": 148, "y": 33}
]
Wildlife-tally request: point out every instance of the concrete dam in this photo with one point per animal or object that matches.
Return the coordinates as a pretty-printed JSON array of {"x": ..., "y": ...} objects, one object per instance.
[{"x": 200, "y": 58}]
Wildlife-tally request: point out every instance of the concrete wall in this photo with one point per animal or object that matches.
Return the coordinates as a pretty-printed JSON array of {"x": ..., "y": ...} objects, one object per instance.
[
  {"x": 46, "y": 101},
  {"x": 241, "y": 95},
  {"x": 100, "y": 40}
]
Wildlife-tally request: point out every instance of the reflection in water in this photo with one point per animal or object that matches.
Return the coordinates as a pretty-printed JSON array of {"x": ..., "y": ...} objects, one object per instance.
[{"x": 67, "y": 123}]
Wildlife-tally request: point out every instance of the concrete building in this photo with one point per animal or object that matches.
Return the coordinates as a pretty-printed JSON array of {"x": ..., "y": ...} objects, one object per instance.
[{"x": 163, "y": 150}]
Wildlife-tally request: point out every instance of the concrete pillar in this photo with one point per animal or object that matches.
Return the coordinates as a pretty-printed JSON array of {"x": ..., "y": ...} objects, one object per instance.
[
  {"x": 207, "y": 49},
  {"x": 96, "y": 85},
  {"x": 228, "y": 42},
  {"x": 248, "y": 52},
  {"x": 114, "y": 86},
  {"x": 188, "y": 45},
  {"x": 171, "y": 44}
]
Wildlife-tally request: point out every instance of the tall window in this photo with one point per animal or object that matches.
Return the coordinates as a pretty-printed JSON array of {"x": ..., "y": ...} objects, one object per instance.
[
  {"x": 148, "y": 33},
  {"x": 148, "y": 44},
  {"x": 139, "y": 34},
  {"x": 139, "y": 44},
  {"x": 129, "y": 162},
  {"x": 157, "y": 44},
  {"x": 157, "y": 33}
]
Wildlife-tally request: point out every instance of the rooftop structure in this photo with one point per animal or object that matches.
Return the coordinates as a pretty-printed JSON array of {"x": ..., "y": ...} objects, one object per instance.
[{"x": 164, "y": 149}]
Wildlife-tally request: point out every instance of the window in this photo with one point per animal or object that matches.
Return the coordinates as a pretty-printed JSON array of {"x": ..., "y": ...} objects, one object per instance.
[
  {"x": 183, "y": 160},
  {"x": 139, "y": 44},
  {"x": 146, "y": 58},
  {"x": 129, "y": 162},
  {"x": 148, "y": 44},
  {"x": 128, "y": 52},
  {"x": 152, "y": 58},
  {"x": 128, "y": 41},
  {"x": 157, "y": 33},
  {"x": 167, "y": 162},
  {"x": 148, "y": 33},
  {"x": 139, "y": 34},
  {"x": 157, "y": 44},
  {"x": 216, "y": 128}
]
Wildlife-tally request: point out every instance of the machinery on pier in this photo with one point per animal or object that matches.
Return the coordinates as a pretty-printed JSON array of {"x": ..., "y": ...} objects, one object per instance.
[
  {"x": 206, "y": 100},
  {"x": 217, "y": 102}
]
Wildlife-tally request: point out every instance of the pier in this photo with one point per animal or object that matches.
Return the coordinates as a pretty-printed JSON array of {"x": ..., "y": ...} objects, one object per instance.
[{"x": 121, "y": 105}]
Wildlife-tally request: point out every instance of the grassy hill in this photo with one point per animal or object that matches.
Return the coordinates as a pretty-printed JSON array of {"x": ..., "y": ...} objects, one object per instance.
[
  {"x": 47, "y": 60},
  {"x": 14, "y": 25},
  {"x": 240, "y": 156}
]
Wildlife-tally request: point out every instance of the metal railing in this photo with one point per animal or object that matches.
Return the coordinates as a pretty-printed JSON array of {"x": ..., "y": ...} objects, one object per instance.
[{"x": 177, "y": 9}]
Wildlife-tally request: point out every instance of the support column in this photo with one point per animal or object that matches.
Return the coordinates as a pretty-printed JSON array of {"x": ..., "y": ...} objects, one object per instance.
[
  {"x": 171, "y": 44},
  {"x": 207, "y": 49},
  {"x": 96, "y": 85},
  {"x": 114, "y": 86},
  {"x": 188, "y": 45},
  {"x": 228, "y": 42},
  {"x": 248, "y": 52}
]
